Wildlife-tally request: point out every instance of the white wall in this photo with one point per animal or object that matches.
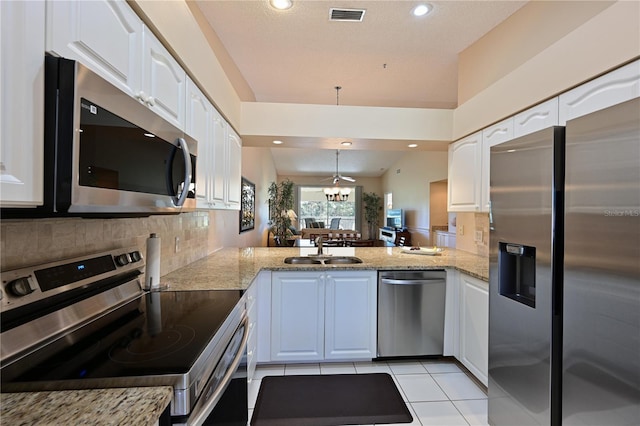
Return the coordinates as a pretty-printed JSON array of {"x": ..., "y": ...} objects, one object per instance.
[
  {"x": 603, "y": 42},
  {"x": 257, "y": 167},
  {"x": 174, "y": 24},
  {"x": 409, "y": 180},
  {"x": 327, "y": 121}
]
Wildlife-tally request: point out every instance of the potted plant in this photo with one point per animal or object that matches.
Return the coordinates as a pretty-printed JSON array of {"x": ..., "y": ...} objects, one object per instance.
[
  {"x": 280, "y": 203},
  {"x": 372, "y": 207}
]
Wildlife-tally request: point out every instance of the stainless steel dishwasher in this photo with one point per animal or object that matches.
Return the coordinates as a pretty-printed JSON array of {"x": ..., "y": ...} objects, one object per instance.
[{"x": 411, "y": 313}]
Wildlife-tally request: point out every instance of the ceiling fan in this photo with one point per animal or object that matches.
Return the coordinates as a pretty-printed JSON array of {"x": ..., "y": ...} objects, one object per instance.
[{"x": 337, "y": 176}]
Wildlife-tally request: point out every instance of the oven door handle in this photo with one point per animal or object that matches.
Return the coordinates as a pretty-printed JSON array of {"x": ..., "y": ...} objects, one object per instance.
[{"x": 198, "y": 418}]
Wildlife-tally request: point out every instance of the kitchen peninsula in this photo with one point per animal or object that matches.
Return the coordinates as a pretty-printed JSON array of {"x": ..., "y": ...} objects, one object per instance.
[{"x": 235, "y": 268}]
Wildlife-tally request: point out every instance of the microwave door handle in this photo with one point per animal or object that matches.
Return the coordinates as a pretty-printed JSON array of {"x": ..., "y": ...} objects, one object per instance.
[{"x": 187, "y": 172}]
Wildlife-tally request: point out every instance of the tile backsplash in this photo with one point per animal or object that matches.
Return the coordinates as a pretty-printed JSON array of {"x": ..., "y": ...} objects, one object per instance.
[
  {"x": 467, "y": 227},
  {"x": 34, "y": 241}
]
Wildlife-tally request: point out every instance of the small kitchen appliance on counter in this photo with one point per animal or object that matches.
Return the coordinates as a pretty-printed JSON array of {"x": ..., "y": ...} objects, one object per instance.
[{"x": 86, "y": 323}]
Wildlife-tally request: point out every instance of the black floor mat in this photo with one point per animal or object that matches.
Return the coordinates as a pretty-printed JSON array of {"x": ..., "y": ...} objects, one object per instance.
[{"x": 329, "y": 400}]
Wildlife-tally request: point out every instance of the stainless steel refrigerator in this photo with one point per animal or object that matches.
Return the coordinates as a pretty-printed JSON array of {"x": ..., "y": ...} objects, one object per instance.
[{"x": 564, "y": 278}]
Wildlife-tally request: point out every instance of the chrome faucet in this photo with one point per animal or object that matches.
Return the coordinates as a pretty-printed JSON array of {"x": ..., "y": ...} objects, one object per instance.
[{"x": 319, "y": 244}]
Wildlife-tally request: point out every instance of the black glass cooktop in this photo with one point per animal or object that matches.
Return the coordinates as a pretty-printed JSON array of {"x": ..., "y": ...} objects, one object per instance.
[{"x": 160, "y": 333}]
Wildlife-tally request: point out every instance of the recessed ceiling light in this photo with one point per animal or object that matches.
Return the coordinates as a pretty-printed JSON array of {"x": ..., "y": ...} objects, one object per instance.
[
  {"x": 345, "y": 143},
  {"x": 277, "y": 142},
  {"x": 412, "y": 145},
  {"x": 422, "y": 9},
  {"x": 281, "y": 4}
]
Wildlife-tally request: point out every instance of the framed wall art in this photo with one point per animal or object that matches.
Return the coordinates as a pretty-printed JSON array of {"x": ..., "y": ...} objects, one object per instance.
[{"x": 247, "y": 206}]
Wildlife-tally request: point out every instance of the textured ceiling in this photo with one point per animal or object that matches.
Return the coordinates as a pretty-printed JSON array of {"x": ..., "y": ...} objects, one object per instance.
[{"x": 390, "y": 59}]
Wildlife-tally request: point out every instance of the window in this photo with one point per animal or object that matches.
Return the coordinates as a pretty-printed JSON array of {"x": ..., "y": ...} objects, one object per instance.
[{"x": 315, "y": 211}]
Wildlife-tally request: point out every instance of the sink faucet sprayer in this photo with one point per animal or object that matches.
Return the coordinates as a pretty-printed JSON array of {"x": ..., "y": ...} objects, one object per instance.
[{"x": 319, "y": 244}]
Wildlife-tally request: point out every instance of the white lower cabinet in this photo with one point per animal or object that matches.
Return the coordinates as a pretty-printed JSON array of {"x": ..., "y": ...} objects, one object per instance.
[
  {"x": 474, "y": 326},
  {"x": 350, "y": 315},
  {"x": 297, "y": 316},
  {"x": 317, "y": 315}
]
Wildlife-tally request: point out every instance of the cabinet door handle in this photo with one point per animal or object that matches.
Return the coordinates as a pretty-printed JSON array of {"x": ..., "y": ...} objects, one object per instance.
[
  {"x": 151, "y": 101},
  {"x": 141, "y": 96}
]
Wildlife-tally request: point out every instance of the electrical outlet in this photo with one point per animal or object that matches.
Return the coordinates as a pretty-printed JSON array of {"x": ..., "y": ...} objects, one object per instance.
[
  {"x": 461, "y": 229},
  {"x": 177, "y": 245},
  {"x": 478, "y": 236}
]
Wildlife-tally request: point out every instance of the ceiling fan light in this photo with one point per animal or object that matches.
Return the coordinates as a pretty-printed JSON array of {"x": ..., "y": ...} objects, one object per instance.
[{"x": 345, "y": 191}]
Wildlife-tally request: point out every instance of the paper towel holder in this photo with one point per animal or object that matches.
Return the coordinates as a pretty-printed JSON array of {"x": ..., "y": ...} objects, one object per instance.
[{"x": 152, "y": 272}]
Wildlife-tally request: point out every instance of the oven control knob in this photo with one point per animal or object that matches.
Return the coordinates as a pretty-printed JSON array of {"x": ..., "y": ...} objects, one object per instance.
[
  {"x": 135, "y": 256},
  {"x": 20, "y": 287},
  {"x": 122, "y": 259}
]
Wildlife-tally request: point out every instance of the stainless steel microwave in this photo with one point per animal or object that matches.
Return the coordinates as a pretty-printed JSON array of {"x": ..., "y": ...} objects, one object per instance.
[{"x": 107, "y": 154}]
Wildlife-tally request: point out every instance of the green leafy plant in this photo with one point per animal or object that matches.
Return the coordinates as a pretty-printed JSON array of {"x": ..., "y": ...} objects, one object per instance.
[
  {"x": 280, "y": 202},
  {"x": 372, "y": 208}
]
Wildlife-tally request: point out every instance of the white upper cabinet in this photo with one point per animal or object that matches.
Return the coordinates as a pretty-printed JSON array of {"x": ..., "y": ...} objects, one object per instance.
[
  {"x": 492, "y": 136},
  {"x": 163, "y": 81},
  {"x": 110, "y": 39},
  {"x": 224, "y": 165},
  {"x": 199, "y": 127},
  {"x": 610, "y": 89},
  {"x": 218, "y": 170},
  {"x": 106, "y": 36},
  {"x": 234, "y": 170},
  {"x": 218, "y": 161},
  {"x": 539, "y": 117},
  {"x": 21, "y": 103},
  {"x": 464, "y": 174}
]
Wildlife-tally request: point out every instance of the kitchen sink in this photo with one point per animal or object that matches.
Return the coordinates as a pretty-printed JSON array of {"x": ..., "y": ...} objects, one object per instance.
[
  {"x": 338, "y": 260},
  {"x": 302, "y": 261},
  {"x": 342, "y": 260}
]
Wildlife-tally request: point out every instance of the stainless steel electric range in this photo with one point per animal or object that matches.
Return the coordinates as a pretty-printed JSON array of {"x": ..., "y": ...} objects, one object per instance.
[{"x": 86, "y": 323}]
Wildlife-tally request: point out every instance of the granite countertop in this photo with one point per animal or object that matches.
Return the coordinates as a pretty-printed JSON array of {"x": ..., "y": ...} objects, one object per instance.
[
  {"x": 121, "y": 406},
  {"x": 235, "y": 268},
  {"x": 228, "y": 268}
]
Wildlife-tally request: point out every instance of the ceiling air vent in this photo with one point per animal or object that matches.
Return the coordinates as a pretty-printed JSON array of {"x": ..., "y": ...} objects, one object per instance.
[{"x": 349, "y": 15}]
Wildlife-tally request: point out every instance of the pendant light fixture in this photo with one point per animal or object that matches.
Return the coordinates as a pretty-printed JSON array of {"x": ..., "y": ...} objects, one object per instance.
[{"x": 336, "y": 193}]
